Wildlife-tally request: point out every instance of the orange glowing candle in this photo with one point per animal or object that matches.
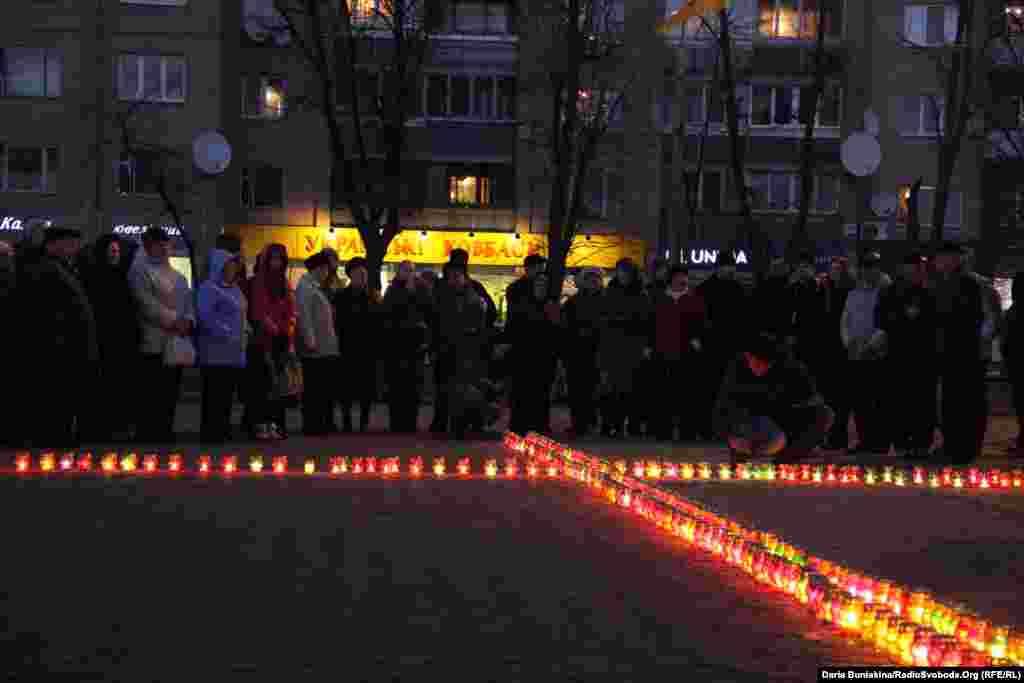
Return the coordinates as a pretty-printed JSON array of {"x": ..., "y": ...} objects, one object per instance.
[
  {"x": 109, "y": 462},
  {"x": 130, "y": 462},
  {"x": 337, "y": 465},
  {"x": 204, "y": 464},
  {"x": 439, "y": 467},
  {"x": 704, "y": 470},
  {"x": 85, "y": 462},
  {"x": 918, "y": 474},
  {"x": 620, "y": 466},
  {"x": 174, "y": 462},
  {"x": 416, "y": 466},
  {"x": 552, "y": 470},
  {"x": 150, "y": 462},
  {"x": 531, "y": 470},
  {"x": 309, "y": 467},
  {"x": 280, "y": 464},
  {"x": 22, "y": 462},
  {"x": 724, "y": 471},
  {"x": 462, "y": 467},
  {"x": 256, "y": 464},
  {"x": 47, "y": 462},
  {"x": 638, "y": 469},
  {"x": 67, "y": 462},
  {"x": 491, "y": 468},
  {"x": 229, "y": 463},
  {"x": 511, "y": 467}
]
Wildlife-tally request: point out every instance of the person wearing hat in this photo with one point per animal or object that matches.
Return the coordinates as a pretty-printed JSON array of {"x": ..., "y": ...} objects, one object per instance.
[
  {"x": 163, "y": 302},
  {"x": 316, "y": 341},
  {"x": 907, "y": 317},
  {"x": 865, "y": 344},
  {"x": 769, "y": 405},
  {"x": 582, "y": 317},
  {"x": 59, "y": 318},
  {"x": 960, "y": 317},
  {"x": 625, "y": 333},
  {"x": 358, "y": 320},
  {"x": 405, "y": 312}
]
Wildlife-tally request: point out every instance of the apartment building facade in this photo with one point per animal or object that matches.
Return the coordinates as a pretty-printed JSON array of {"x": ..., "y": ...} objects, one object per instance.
[
  {"x": 880, "y": 78},
  {"x": 72, "y": 72}
]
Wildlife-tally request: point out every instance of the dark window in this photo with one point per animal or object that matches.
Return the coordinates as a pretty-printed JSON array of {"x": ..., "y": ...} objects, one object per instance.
[
  {"x": 30, "y": 72},
  {"x": 480, "y": 17},
  {"x": 783, "y": 106},
  {"x": 460, "y": 96},
  {"x": 138, "y": 174},
  {"x": 369, "y": 91},
  {"x": 437, "y": 95},
  {"x": 262, "y": 187},
  {"x": 29, "y": 169},
  {"x": 507, "y": 98},
  {"x": 483, "y": 100}
]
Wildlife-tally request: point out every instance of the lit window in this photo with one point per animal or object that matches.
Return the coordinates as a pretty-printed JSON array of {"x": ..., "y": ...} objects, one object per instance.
[
  {"x": 1015, "y": 16},
  {"x": 153, "y": 78},
  {"x": 930, "y": 25},
  {"x": 469, "y": 190},
  {"x": 29, "y": 169},
  {"x": 799, "y": 18},
  {"x": 263, "y": 97},
  {"x": 363, "y": 11},
  {"x": 30, "y": 72}
]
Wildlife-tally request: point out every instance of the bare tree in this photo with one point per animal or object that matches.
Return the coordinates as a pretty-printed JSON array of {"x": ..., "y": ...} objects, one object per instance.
[
  {"x": 584, "y": 78},
  {"x": 334, "y": 42}
]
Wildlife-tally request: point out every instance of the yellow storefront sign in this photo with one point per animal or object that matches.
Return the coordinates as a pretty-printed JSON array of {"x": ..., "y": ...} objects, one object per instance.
[{"x": 485, "y": 249}]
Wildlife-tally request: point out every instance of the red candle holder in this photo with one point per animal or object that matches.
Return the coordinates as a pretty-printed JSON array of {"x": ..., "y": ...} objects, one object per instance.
[
  {"x": 150, "y": 463},
  {"x": 22, "y": 462},
  {"x": 511, "y": 467},
  {"x": 280, "y": 464},
  {"x": 338, "y": 465},
  {"x": 370, "y": 465},
  {"x": 174, "y": 462},
  {"x": 671, "y": 470},
  {"x": 974, "y": 476},
  {"x": 229, "y": 463},
  {"x": 439, "y": 467},
  {"x": 204, "y": 464},
  {"x": 462, "y": 467},
  {"x": 416, "y": 466},
  {"x": 85, "y": 462}
]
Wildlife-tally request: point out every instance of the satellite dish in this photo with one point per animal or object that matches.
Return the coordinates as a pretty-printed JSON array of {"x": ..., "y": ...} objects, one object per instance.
[
  {"x": 211, "y": 153},
  {"x": 885, "y": 204},
  {"x": 262, "y": 21},
  {"x": 872, "y": 123},
  {"x": 861, "y": 154}
]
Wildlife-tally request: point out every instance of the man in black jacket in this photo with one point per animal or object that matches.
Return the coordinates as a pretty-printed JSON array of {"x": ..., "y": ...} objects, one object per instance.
[
  {"x": 582, "y": 317},
  {"x": 522, "y": 289},
  {"x": 907, "y": 316},
  {"x": 960, "y": 315},
  {"x": 769, "y": 405},
  {"x": 357, "y": 321},
  {"x": 726, "y": 304}
]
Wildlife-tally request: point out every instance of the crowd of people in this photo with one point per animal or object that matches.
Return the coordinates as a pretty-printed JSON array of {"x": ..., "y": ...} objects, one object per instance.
[{"x": 777, "y": 369}]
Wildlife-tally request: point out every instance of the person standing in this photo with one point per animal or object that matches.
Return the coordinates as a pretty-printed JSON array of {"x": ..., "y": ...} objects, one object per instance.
[
  {"x": 908, "y": 320},
  {"x": 405, "y": 314},
  {"x": 582, "y": 317},
  {"x": 772, "y": 303},
  {"x": 726, "y": 304},
  {"x": 960, "y": 317},
  {"x": 807, "y": 303},
  {"x": 534, "y": 355},
  {"x": 273, "y": 319},
  {"x": 117, "y": 326},
  {"x": 357, "y": 321},
  {"x": 521, "y": 290},
  {"x": 625, "y": 329},
  {"x": 679, "y": 323},
  {"x": 865, "y": 344},
  {"x": 222, "y": 340},
  {"x": 317, "y": 345},
  {"x": 835, "y": 364},
  {"x": 1012, "y": 346},
  {"x": 165, "y": 309},
  {"x": 64, "y": 340}
]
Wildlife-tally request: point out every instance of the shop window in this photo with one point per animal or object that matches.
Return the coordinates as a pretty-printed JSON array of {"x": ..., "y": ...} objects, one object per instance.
[
  {"x": 30, "y": 72},
  {"x": 600, "y": 107},
  {"x": 603, "y": 194},
  {"x": 29, "y": 169},
  {"x": 469, "y": 190},
  {"x": 263, "y": 97},
  {"x": 437, "y": 95},
  {"x": 483, "y": 100},
  {"x": 262, "y": 187},
  {"x": 930, "y": 25},
  {"x": 153, "y": 78},
  {"x": 138, "y": 174},
  {"x": 798, "y": 19},
  {"x": 711, "y": 191}
]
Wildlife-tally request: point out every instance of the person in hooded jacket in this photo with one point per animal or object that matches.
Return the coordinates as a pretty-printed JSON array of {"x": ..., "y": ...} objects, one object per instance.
[
  {"x": 357, "y": 319},
  {"x": 406, "y": 309},
  {"x": 222, "y": 340},
  {"x": 106, "y": 283},
  {"x": 533, "y": 359},
  {"x": 625, "y": 325},
  {"x": 272, "y": 315},
  {"x": 581, "y": 315}
]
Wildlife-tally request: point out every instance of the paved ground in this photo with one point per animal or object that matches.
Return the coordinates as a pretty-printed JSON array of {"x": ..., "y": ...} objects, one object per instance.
[
  {"x": 965, "y": 546},
  {"x": 281, "y": 580}
]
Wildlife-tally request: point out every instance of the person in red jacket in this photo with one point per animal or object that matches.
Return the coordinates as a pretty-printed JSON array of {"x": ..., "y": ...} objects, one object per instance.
[
  {"x": 679, "y": 322},
  {"x": 272, "y": 313}
]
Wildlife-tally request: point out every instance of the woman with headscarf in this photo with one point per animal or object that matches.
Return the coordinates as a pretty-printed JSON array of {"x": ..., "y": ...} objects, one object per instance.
[
  {"x": 406, "y": 312},
  {"x": 106, "y": 284},
  {"x": 625, "y": 323},
  {"x": 272, "y": 314}
]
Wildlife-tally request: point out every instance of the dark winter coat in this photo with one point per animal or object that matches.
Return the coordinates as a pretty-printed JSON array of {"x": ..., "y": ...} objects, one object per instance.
[
  {"x": 835, "y": 295},
  {"x": 744, "y": 395},
  {"x": 581, "y": 316},
  {"x": 809, "y": 319},
  {"x": 907, "y": 316},
  {"x": 960, "y": 313},
  {"x": 676, "y": 324},
  {"x": 535, "y": 333},
  {"x": 60, "y": 320},
  {"x": 358, "y": 323},
  {"x": 117, "y": 321},
  {"x": 773, "y": 306},
  {"x": 726, "y": 303},
  {"x": 462, "y": 333},
  {"x": 625, "y": 331},
  {"x": 405, "y": 315}
]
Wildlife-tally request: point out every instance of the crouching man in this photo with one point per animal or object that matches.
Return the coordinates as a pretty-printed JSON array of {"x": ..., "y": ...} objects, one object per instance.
[{"x": 769, "y": 406}]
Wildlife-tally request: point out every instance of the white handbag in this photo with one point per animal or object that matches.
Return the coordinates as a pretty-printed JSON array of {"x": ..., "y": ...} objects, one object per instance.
[{"x": 179, "y": 353}]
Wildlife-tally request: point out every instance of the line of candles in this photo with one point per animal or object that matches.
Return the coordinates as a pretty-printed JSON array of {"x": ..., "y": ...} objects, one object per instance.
[{"x": 909, "y": 626}]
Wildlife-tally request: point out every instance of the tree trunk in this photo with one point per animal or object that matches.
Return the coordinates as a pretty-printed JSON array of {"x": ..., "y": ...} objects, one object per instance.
[
  {"x": 735, "y": 143},
  {"x": 809, "y": 110}
]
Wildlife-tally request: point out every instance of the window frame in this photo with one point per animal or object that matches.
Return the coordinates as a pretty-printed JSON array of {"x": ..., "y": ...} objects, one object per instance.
[
  {"x": 921, "y": 131},
  {"x": 484, "y": 186},
  {"x": 49, "y": 55},
  {"x": 44, "y": 170},
  {"x": 794, "y": 192},
  {"x": 265, "y": 82},
  {"x": 247, "y": 173},
  {"x": 909, "y": 31},
  {"x": 496, "y": 112},
  {"x": 131, "y": 162},
  {"x": 141, "y": 59},
  {"x": 452, "y": 28},
  {"x": 802, "y": 13},
  {"x": 707, "y": 93}
]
